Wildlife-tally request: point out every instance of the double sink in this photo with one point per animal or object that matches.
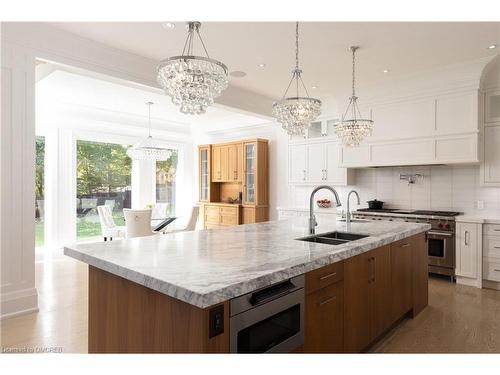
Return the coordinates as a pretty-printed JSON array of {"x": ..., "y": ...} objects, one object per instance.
[{"x": 333, "y": 238}]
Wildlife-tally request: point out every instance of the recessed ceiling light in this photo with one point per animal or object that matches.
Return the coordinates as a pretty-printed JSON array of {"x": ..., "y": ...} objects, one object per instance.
[
  {"x": 386, "y": 70},
  {"x": 314, "y": 87},
  {"x": 168, "y": 25},
  {"x": 493, "y": 46},
  {"x": 237, "y": 73},
  {"x": 262, "y": 65}
]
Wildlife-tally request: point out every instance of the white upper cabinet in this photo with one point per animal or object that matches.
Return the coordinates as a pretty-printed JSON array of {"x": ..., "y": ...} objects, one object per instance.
[
  {"x": 297, "y": 167},
  {"x": 492, "y": 106},
  {"x": 441, "y": 129},
  {"x": 317, "y": 163},
  {"x": 457, "y": 113},
  {"x": 490, "y": 168},
  {"x": 334, "y": 174}
]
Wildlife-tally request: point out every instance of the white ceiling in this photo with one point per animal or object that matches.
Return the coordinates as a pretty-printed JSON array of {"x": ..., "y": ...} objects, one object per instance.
[
  {"x": 61, "y": 88},
  {"x": 403, "y": 48}
]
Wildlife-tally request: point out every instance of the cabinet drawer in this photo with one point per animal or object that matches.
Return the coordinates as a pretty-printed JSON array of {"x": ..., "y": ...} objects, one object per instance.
[
  {"x": 229, "y": 220},
  {"x": 491, "y": 247},
  {"x": 212, "y": 211},
  {"x": 491, "y": 229},
  {"x": 229, "y": 211},
  {"x": 491, "y": 270},
  {"x": 324, "y": 276}
]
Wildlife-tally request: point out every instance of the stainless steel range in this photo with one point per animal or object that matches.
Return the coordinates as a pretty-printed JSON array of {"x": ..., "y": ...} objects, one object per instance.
[{"x": 440, "y": 238}]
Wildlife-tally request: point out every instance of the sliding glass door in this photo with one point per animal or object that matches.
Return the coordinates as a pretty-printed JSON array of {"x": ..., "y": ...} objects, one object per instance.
[
  {"x": 39, "y": 191},
  {"x": 103, "y": 173},
  {"x": 166, "y": 185}
]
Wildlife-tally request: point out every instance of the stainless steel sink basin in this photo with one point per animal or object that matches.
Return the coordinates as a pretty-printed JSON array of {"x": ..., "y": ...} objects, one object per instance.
[
  {"x": 328, "y": 241},
  {"x": 343, "y": 235},
  {"x": 333, "y": 238}
]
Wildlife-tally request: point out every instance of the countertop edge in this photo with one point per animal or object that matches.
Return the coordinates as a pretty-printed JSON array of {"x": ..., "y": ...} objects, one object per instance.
[{"x": 226, "y": 293}]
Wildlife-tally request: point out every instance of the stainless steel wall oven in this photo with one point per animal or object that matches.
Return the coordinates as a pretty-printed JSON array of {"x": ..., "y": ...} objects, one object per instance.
[{"x": 269, "y": 320}]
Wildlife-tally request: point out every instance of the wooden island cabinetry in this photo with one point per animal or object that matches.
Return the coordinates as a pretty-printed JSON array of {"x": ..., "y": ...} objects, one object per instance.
[
  {"x": 230, "y": 171},
  {"x": 349, "y": 305},
  {"x": 364, "y": 296}
]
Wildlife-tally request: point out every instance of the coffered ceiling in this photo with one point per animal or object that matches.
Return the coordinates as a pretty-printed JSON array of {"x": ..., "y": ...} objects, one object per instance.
[{"x": 401, "y": 48}]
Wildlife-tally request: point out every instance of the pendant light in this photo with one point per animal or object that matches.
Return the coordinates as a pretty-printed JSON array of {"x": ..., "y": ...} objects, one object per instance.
[
  {"x": 296, "y": 113},
  {"x": 148, "y": 149},
  {"x": 353, "y": 128},
  {"x": 193, "y": 82}
]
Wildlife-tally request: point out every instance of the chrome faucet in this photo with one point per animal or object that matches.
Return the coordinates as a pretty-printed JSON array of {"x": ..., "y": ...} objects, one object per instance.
[
  {"x": 312, "y": 219},
  {"x": 348, "y": 214}
]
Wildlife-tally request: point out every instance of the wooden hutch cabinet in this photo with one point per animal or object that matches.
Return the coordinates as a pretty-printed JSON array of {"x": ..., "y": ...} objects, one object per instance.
[{"x": 234, "y": 172}]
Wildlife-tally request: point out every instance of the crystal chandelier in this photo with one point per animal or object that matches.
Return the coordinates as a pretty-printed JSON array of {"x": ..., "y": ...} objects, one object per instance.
[
  {"x": 353, "y": 129},
  {"x": 193, "y": 82},
  {"x": 296, "y": 113},
  {"x": 148, "y": 149}
]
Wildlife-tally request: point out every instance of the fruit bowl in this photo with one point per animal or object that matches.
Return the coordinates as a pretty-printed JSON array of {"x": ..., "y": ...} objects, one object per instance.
[{"x": 324, "y": 203}]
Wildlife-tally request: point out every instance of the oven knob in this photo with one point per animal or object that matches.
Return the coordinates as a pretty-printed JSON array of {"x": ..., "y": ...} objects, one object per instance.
[
  {"x": 447, "y": 226},
  {"x": 440, "y": 225}
]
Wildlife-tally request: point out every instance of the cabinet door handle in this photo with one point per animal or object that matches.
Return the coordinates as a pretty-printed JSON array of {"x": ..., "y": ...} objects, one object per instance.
[
  {"x": 326, "y": 174},
  {"x": 405, "y": 245},
  {"x": 374, "y": 268},
  {"x": 496, "y": 270},
  {"x": 304, "y": 174},
  {"x": 327, "y": 276},
  {"x": 327, "y": 300},
  {"x": 496, "y": 247},
  {"x": 466, "y": 243}
]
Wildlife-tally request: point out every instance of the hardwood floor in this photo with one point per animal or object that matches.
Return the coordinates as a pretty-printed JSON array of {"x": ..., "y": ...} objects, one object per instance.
[
  {"x": 459, "y": 319},
  {"x": 61, "y": 322}
]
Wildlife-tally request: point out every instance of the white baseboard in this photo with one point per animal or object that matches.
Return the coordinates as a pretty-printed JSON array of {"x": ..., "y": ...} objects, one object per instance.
[
  {"x": 491, "y": 284},
  {"x": 468, "y": 281},
  {"x": 18, "y": 302}
]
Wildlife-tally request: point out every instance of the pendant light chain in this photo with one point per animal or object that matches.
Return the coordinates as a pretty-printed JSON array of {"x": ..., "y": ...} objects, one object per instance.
[
  {"x": 297, "y": 45},
  {"x": 354, "y": 70},
  {"x": 149, "y": 118}
]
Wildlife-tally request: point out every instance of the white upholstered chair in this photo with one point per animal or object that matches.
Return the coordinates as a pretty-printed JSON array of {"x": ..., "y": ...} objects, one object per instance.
[
  {"x": 138, "y": 223},
  {"x": 109, "y": 228},
  {"x": 191, "y": 224}
]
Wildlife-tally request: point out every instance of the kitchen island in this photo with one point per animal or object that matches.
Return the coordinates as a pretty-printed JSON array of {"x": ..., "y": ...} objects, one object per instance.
[{"x": 172, "y": 293}]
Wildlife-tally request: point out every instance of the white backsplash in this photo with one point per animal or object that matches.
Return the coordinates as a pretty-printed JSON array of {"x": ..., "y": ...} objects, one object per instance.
[{"x": 441, "y": 188}]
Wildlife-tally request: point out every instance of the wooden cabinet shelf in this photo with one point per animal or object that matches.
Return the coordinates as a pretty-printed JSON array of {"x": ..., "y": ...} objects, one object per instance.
[{"x": 231, "y": 171}]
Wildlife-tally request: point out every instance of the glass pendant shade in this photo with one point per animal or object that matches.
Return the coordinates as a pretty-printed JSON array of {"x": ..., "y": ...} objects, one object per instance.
[
  {"x": 193, "y": 82},
  {"x": 148, "y": 149},
  {"x": 295, "y": 114},
  {"x": 352, "y": 129}
]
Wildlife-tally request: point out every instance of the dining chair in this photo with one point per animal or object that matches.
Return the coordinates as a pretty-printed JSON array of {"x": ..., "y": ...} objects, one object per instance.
[
  {"x": 110, "y": 202},
  {"x": 193, "y": 219},
  {"x": 138, "y": 223},
  {"x": 109, "y": 228}
]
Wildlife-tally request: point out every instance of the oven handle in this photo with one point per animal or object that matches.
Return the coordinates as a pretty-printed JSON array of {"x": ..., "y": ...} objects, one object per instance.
[{"x": 445, "y": 234}]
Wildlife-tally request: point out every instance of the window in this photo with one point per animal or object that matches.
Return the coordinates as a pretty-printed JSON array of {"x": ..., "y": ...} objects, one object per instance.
[
  {"x": 103, "y": 178},
  {"x": 166, "y": 183},
  {"x": 39, "y": 190}
]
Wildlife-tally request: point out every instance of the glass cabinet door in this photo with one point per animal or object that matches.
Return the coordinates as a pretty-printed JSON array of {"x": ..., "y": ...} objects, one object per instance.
[
  {"x": 204, "y": 181},
  {"x": 250, "y": 168}
]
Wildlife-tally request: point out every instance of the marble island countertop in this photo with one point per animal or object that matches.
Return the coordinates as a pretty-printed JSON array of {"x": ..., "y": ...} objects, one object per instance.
[{"x": 207, "y": 267}]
